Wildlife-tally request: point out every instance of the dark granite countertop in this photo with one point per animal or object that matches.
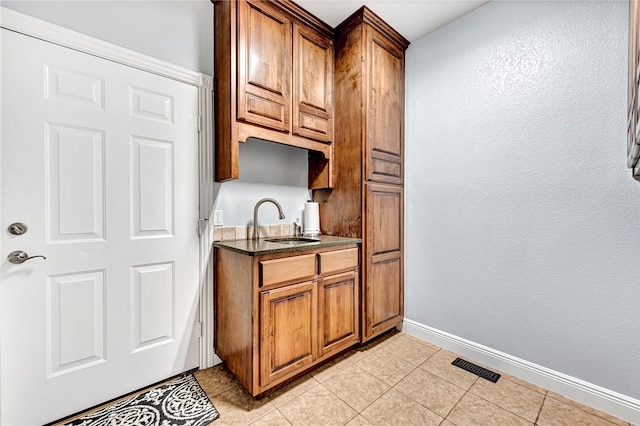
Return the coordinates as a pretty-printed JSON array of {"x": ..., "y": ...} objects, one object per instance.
[{"x": 261, "y": 247}]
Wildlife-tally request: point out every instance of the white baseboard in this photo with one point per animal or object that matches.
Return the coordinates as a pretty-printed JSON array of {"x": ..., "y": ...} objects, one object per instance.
[{"x": 616, "y": 404}]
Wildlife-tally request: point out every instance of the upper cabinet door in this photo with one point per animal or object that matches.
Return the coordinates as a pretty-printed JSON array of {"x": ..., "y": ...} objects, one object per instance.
[
  {"x": 384, "y": 136},
  {"x": 264, "y": 65},
  {"x": 312, "y": 84}
]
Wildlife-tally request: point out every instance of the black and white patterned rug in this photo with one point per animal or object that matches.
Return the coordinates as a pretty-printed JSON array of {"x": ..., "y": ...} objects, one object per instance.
[{"x": 181, "y": 402}]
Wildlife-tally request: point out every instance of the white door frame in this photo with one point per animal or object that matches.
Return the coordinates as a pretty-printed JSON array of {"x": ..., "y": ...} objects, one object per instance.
[{"x": 27, "y": 25}]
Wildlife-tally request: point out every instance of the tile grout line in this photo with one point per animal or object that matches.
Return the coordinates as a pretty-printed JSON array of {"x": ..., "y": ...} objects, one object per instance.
[
  {"x": 458, "y": 402},
  {"x": 503, "y": 408},
  {"x": 372, "y": 402},
  {"x": 540, "y": 410},
  {"x": 406, "y": 375},
  {"x": 411, "y": 357},
  {"x": 359, "y": 413}
]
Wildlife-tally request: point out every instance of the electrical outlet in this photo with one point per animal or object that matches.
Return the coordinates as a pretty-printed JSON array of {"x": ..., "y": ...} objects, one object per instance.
[{"x": 217, "y": 218}]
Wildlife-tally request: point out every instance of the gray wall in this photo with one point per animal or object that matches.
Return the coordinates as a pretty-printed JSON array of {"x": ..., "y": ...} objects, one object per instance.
[
  {"x": 181, "y": 32},
  {"x": 523, "y": 221},
  {"x": 269, "y": 170}
]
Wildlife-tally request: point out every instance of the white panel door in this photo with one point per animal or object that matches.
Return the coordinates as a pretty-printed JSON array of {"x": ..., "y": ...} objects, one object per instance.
[{"x": 99, "y": 160}]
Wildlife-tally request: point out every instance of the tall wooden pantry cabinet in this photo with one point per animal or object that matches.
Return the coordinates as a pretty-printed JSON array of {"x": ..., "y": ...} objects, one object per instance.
[{"x": 368, "y": 172}]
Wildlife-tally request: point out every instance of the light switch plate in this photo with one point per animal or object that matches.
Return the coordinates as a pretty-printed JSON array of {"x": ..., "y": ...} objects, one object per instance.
[{"x": 217, "y": 218}]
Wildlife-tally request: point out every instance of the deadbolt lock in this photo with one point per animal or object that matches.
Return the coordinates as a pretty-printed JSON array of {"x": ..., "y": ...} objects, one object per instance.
[{"x": 17, "y": 228}]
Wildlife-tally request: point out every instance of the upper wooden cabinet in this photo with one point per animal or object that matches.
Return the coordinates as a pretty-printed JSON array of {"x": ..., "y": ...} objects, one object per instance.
[
  {"x": 274, "y": 81},
  {"x": 633, "y": 129}
]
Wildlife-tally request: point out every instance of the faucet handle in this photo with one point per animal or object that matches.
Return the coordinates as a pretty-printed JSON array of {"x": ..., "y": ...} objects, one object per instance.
[{"x": 297, "y": 229}]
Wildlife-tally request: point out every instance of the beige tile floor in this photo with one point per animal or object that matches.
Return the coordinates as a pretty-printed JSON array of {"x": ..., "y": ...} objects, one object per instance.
[{"x": 398, "y": 380}]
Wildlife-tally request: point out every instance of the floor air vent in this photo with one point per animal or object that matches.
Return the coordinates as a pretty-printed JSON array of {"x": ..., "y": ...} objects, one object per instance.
[{"x": 477, "y": 370}]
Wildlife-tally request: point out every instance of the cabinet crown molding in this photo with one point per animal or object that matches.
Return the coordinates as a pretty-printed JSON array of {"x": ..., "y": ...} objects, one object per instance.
[
  {"x": 300, "y": 13},
  {"x": 366, "y": 15}
]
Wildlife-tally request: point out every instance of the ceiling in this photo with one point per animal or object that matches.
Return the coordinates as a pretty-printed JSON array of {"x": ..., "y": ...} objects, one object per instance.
[{"x": 411, "y": 18}]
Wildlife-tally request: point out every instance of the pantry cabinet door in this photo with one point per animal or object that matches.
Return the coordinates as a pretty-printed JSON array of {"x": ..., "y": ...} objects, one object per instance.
[
  {"x": 384, "y": 109},
  {"x": 383, "y": 285}
]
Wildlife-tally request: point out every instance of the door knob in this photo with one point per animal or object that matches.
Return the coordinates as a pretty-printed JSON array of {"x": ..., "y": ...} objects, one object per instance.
[{"x": 19, "y": 256}]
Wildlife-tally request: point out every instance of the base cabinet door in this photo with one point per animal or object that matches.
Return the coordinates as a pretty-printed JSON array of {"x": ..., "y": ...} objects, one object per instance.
[
  {"x": 288, "y": 330},
  {"x": 337, "y": 316}
]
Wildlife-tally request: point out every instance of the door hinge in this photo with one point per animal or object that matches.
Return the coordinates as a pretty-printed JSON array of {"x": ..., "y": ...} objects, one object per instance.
[
  {"x": 199, "y": 331},
  {"x": 202, "y": 225},
  {"x": 199, "y": 123}
]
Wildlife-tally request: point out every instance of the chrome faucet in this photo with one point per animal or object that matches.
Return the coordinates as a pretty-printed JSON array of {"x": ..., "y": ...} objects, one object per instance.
[{"x": 256, "y": 235}]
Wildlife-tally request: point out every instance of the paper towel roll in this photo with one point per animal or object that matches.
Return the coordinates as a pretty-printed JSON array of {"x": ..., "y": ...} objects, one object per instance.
[{"x": 311, "y": 219}]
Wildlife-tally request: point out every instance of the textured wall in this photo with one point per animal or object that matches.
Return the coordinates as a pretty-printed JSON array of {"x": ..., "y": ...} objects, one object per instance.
[
  {"x": 266, "y": 170},
  {"x": 178, "y": 32},
  {"x": 523, "y": 223}
]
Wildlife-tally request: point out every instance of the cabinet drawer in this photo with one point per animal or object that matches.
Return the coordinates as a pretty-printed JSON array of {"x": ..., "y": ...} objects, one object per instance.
[
  {"x": 287, "y": 269},
  {"x": 336, "y": 261}
]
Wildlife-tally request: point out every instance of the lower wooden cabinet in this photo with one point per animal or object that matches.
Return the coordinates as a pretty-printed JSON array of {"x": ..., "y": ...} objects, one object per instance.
[{"x": 274, "y": 321}]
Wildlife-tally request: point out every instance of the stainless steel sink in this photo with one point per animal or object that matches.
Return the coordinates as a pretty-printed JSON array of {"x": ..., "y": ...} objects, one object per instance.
[{"x": 292, "y": 240}]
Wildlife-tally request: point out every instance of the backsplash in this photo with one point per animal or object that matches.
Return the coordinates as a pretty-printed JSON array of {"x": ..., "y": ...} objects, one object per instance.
[{"x": 228, "y": 233}]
